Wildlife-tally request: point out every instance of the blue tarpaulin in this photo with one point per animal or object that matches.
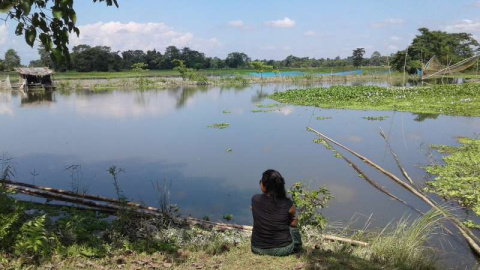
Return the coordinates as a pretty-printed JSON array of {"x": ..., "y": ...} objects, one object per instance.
[{"x": 300, "y": 73}]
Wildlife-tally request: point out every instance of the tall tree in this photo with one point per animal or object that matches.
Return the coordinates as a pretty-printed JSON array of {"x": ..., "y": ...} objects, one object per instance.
[
  {"x": 12, "y": 60},
  {"x": 99, "y": 58},
  {"x": 357, "y": 56},
  {"x": 448, "y": 48},
  {"x": 51, "y": 21},
  {"x": 3, "y": 66},
  {"x": 171, "y": 53},
  {"x": 376, "y": 59},
  {"x": 237, "y": 59}
]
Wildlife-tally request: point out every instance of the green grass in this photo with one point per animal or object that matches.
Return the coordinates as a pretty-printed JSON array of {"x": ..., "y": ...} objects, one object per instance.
[{"x": 458, "y": 100}]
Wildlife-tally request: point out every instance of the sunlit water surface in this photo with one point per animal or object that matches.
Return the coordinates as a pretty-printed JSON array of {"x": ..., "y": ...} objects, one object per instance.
[{"x": 162, "y": 135}]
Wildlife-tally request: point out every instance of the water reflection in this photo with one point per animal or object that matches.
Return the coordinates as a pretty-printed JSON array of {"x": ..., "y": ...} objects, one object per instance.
[
  {"x": 6, "y": 106},
  {"x": 420, "y": 117},
  {"x": 38, "y": 98}
]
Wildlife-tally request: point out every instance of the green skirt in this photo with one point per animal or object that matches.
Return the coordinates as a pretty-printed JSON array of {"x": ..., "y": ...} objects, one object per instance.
[{"x": 295, "y": 246}]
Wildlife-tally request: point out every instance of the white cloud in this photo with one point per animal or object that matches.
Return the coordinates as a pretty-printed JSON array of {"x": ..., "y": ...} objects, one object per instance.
[
  {"x": 310, "y": 33},
  {"x": 285, "y": 23},
  {"x": 3, "y": 34},
  {"x": 387, "y": 22},
  {"x": 144, "y": 36},
  {"x": 395, "y": 38},
  {"x": 236, "y": 24},
  {"x": 464, "y": 26}
]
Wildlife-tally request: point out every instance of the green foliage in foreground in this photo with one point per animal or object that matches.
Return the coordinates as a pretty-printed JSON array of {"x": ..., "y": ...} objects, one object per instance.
[
  {"x": 459, "y": 178},
  {"x": 459, "y": 100},
  {"x": 308, "y": 204}
]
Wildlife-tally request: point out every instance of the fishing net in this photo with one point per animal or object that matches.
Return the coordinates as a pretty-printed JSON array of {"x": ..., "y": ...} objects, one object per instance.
[{"x": 434, "y": 68}]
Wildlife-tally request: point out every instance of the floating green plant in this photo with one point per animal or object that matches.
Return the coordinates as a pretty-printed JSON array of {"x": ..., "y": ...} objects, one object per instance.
[
  {"x": 261, "y": 111},
  {"x": 461, "y": 100},
  {"x": 323, "y": 117},
  {"x": 219, "y": 125},
  {"x": 268, "y": 105},
  {"x": 375, "y": 118},
  {"x": 229, "y": 150},
  {"x": 226, "y": 112},
  {"x": 459, "y": 178}
]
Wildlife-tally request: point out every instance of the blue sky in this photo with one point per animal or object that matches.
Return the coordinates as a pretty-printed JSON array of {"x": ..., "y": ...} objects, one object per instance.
[{"x": 262, "y": 29}]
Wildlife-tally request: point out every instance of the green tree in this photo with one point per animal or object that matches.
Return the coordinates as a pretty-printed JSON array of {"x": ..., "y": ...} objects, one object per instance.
[
  {"x": 3, "y": 66},
  {"x": 448, "y": 48},
  {"x": 237, "y": 60},
  {"x": 45, "y": 57},
  {"x": 50, "y": 21},
  {"x": 171, "y": 53},
  {"x": 260, "y": 67},
  {"x": 99, "y": 58},
  {"x": 357, "y": 56},
  {"x": 12, "y": 60},
  {"x": 139, "y": 67},
  {"x": 35, "y": 63},
  {"x": 131, "y": 57},
  {"x": 376, "y": 59}
]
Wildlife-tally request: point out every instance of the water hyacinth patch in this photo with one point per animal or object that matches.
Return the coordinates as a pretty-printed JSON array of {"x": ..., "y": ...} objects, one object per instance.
[
  {"x": 459, "y": 178},
  {"x": 268, "y": 105},
  {"x": 219, "y": 126},
  {"x": 375, "y": 118},
  {"x": 459, "y": 100}
]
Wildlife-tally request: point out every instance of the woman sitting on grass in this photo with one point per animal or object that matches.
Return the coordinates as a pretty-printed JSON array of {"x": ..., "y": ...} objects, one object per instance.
[{"x": 275, "y": 230}]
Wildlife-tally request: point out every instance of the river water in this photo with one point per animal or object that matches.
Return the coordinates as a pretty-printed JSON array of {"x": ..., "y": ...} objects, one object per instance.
[{"x": 162, "y": 135}]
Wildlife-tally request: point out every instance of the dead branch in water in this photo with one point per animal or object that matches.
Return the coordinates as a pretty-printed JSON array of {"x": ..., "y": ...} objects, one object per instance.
[
  {"x": 397, "y": 160},
  {"x": 469, "y": 236}
]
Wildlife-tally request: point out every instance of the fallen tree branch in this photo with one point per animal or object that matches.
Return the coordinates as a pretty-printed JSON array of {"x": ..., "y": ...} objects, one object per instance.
[
  {"x": 469, "y": 236},
  {"x": 142, "y": 210}
]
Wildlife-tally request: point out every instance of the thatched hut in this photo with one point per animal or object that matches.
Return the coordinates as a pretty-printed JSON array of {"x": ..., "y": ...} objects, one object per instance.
[{"x": 35, "y": 78}]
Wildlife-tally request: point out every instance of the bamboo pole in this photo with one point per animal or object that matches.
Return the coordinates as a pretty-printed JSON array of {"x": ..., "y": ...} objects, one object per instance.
[
  {"x": 471, "y": 238},
  {"x": 399, "y": 164},
  {"x": 73, "y": 194},
  {"x": 151, "y": 211}
]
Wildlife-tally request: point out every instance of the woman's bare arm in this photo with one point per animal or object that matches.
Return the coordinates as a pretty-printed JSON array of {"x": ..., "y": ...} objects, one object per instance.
[{"x": 293, "y": 218}]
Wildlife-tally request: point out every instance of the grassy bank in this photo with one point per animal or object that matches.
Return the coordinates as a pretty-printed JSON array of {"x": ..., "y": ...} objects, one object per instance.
[
  {"x": 60, "y": 237},
  {"x": 459, "y": 100}
]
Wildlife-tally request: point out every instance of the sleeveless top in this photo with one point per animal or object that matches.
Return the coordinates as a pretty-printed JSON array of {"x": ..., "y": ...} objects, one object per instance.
[{"x": 271, "y": 222}]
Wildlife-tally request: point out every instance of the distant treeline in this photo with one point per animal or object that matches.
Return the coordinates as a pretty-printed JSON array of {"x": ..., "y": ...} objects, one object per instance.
[
  {"x": 448, "y": 48},
  {"x": 85, "y": 58}
]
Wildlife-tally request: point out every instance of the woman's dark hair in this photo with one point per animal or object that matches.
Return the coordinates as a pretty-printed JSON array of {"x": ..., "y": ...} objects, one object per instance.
[{"x": 274, "y": 184}]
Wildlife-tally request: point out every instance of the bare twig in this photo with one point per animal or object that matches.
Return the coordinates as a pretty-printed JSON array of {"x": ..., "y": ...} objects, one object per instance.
[{"x": 397, "y": 160}]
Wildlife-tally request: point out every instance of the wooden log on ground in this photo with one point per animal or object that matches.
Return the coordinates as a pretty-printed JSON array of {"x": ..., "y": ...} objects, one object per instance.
[{"x": 114, "y": 208}]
